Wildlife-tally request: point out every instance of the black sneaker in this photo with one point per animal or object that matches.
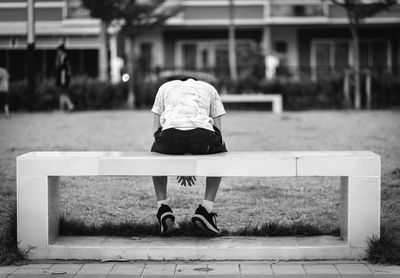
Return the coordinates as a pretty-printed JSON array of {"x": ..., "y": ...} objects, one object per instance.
[
  {"x": 205, "y": 220},
  {"x": 166, "y": 219}
]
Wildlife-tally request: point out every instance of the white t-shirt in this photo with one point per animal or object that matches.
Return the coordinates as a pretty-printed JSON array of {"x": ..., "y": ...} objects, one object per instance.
[{"x": 187, "y": 105}]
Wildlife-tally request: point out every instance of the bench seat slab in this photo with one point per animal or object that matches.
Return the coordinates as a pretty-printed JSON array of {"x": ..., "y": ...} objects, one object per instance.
[{"x": 256, "y": 164}]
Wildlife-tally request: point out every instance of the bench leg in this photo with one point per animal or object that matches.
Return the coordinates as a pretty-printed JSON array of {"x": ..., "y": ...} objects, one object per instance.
[
  {"x": 37, "y": 211},
  {"x": 360, "y": 209},
  {"x": 277, "y": 106}
]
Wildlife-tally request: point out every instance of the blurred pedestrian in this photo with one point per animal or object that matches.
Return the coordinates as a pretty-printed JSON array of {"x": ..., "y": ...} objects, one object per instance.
[
  {"x": 187, "y": 119},
  {"x": 4, "y": 78},
  {"x": 63, "y": 77},
  {"x": 271, "y": 64}
]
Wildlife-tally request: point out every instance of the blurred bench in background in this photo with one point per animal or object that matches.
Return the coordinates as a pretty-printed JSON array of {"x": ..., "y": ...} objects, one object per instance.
[{"x": 276, "y": 100}]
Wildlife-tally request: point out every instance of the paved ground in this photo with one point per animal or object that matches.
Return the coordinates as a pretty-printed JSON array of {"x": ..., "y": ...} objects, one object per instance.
[{"x": 201, "y": 269}]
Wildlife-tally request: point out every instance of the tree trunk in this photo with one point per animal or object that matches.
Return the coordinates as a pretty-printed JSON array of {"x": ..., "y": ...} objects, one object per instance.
[
  {"x": 368, "y": 89},
  {"x": 31, "y": 69},
  {"x": 357, "y": 73},
  {"x": 232, "y": 42},
  {"x": 130, "y": 69},
  {"x": 103, "y": 53},
  {"x": 346, "y": 89}
]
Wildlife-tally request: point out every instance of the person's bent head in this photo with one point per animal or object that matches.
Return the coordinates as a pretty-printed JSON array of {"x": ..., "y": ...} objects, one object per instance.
[{"x": 181, "y": 77}]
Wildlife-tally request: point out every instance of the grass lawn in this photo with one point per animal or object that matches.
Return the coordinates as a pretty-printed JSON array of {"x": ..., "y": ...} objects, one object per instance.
[{"x": 241, "y": 202}]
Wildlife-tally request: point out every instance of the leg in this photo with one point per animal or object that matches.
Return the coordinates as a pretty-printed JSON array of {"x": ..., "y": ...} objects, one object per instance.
[
  {"x": 160, "y": 186},
  {"x": 203, "y": 217},
  {"x": 212, "y": 185},
  {"x": 61, "y": 101},
  {"x": 69, "y": 103},
  {"x": 6, "y": 111},
  {"x": 164, "y": 214}
]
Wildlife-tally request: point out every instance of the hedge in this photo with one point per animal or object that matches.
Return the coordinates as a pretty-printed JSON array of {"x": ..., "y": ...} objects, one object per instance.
[
  {"x": 91, "y": 94},
  {"x": 86, "y": 93}
]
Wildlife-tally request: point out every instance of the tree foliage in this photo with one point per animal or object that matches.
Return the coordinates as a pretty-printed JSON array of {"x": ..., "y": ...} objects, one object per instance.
[
  {"x": 133, "y": 16},
  {"x": 106, "y": 10},
  {"x": 358, "y": 10}
]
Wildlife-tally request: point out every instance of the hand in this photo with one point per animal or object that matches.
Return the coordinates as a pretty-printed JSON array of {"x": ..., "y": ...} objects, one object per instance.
[{"x": 186, "y": 179}]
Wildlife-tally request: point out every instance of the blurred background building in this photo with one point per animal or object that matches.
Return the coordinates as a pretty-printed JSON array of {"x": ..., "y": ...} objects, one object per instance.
[
  {"x": 306, "y": 38},
  {"x": 57, "y": 21}
]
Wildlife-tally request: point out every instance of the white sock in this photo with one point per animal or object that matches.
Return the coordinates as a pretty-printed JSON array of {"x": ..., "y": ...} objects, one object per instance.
[
  {"x": 162, "y": 202},
  {"x": 208, "y": 205}
]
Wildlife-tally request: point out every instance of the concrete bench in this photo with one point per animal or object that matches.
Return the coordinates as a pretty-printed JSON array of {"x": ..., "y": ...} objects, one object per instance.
[
  {"x": 276, "y": 100},
  {"x": 38, "y": 209}
]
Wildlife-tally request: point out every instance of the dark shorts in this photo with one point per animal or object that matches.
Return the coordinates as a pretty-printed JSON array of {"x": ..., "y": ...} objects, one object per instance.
[
  {"x": 3, "y": 99},
  {"x": 194, "y": 141}
]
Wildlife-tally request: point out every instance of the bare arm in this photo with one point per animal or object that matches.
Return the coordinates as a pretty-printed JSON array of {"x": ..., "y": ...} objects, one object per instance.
[
  {"x": 218, "y": 123},
  {"x": 156, "y": 122}
]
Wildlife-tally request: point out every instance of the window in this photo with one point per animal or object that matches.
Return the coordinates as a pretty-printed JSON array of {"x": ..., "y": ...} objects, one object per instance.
[
  {"x": 281, "y": 8},
  {"x": 145, "y": 59},
  {"x": 322, "y": 64},
  {"x": 341, "y": 60},
  {"x": 211, "y": 55},
  {"x": 189, "y": 56},
  {"x": 329, "y": 57},
  {"x": 281, "y": 47},
  {"x": 222, "y": 60},
  {"x": 332, "y": 56},
  {"x": 374, "y": 54},
  {"x": 299, "y": 10},
  {"x": 205, "y": 59}
]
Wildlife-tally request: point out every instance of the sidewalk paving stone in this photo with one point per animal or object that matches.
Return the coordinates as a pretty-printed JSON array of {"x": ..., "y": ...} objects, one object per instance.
[
  {"x": 222, "y": 270},
  {"x": 158, "y": 270},
  {"x": 354, "y": 270},
  {"x": 321, "y": 270},
  {"x": 126, "y": 270},
  {"x": 32, "y": 271},
  {"x": 288, "y": 271},
  {"x": 259, "y": 270},
  {"x": 386, "y": 271},
  {"x": 191, "y": 270},
  {"x": 64, "y": 270},
  {"x": 202, "y": 270},
  {"x": 97, "y": 270},
  {"x": 7, "y": 270}
]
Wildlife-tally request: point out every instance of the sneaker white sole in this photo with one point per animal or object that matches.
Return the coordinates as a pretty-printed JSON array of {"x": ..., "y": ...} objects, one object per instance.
[
  {"x": 169, "y": 223},
  {"x": 203, "y": 224}
]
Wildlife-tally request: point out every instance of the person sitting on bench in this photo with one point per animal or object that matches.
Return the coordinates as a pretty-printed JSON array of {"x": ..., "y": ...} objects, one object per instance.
[{"x": 187, "y": 120}]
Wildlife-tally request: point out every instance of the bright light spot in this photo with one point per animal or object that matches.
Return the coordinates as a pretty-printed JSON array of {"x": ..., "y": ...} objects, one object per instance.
[{"x": 125, "y": 77}]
